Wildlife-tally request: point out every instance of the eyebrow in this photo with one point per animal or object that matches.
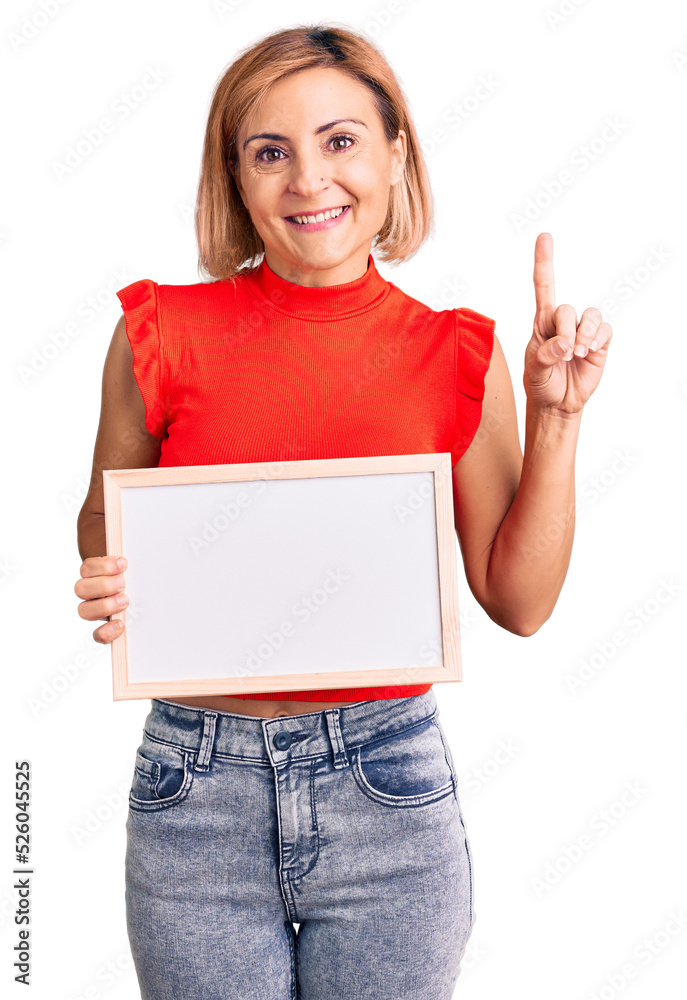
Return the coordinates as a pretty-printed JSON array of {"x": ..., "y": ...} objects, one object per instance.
[{"x": 274, "y": 137}]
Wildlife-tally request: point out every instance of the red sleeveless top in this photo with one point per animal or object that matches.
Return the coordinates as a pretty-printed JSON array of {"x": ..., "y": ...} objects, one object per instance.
[{"x": 262, "y": 369}]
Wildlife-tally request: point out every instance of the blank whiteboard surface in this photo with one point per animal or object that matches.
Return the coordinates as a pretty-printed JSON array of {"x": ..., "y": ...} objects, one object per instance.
[{"x": 290, "y": 608}]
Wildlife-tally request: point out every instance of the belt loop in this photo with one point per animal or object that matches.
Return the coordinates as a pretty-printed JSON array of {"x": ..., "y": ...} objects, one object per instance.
[
  {"x": 336, "y": 737},
  {"x": 203, "y": 761}
]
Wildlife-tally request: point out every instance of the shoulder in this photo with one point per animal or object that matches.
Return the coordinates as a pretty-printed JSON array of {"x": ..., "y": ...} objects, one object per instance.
[
  {"x": 400, "y": 298},
  {"x": 418, "y": 319},
  {"x": 202, "y": 295},
  {"x": 467, "y": 323}
]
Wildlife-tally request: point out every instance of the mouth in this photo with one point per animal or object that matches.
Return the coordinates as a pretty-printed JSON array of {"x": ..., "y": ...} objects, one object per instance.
[{"x": 314, "y": 221}]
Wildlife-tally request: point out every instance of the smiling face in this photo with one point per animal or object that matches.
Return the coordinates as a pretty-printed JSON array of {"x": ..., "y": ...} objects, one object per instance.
[{"x": 317, "y": 143}]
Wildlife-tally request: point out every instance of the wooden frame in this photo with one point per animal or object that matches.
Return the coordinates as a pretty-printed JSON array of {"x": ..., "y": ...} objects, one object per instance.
[{"x": 388, "y": 617}]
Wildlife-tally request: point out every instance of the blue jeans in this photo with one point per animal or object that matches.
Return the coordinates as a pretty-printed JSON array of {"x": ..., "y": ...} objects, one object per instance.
[{"x": 345, "y": 821}]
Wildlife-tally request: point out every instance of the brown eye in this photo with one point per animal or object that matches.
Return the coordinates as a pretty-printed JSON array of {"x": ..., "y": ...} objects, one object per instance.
[
  {"x": 267, "y": 149},
  {"x": 337, "y": 138}
]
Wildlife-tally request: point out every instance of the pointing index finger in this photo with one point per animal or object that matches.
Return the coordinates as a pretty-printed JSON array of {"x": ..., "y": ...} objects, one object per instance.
[{"x": 544, "y": 290}]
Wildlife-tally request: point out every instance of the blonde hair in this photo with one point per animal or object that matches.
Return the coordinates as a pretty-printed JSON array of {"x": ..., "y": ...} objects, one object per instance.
[{"x": 228, "y": 242}]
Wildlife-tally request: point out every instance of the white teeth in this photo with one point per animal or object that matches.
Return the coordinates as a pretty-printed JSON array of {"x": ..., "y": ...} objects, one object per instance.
[{"x": 320, "y": 217}]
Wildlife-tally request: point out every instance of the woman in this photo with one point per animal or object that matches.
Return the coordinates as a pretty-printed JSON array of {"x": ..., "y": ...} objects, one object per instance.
[{"x": 335, "y": 810}]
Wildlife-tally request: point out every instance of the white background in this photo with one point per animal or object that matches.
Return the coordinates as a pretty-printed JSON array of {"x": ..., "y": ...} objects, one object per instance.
[{"x": 538, "y": 762}]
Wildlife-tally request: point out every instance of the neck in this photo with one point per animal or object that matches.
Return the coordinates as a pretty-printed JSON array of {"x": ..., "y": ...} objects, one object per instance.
[
  {"x": 320, "y": 302},
  {"x": 319, "y": 275}
]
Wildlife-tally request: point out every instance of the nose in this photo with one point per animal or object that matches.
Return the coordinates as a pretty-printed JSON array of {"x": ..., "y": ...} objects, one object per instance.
[{"x": 308, "y": 175}]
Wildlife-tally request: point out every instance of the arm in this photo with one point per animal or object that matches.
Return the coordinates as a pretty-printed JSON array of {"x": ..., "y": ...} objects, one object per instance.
[
  {"x": 122, "y": 440},
  {"x": 515, "y": 516},
  {"x": 531, "y": 553}
]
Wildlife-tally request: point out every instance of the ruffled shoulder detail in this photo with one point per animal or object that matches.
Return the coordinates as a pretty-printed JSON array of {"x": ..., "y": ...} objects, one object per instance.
[
  {"x": 474, "y": 346},
  {"x": 140, "y": 304}
]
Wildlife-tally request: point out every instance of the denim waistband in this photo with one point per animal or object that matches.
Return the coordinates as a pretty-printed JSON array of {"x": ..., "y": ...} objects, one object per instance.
[{"x": 209, "y": 732}]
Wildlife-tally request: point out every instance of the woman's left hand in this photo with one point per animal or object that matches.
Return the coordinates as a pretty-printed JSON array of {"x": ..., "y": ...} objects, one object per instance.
[{"x": 557, "y": 379}]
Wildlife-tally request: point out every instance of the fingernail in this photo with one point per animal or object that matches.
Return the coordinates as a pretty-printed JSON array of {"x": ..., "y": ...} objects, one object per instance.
[
  {"x": 594, "y": 344},
  {"x": 559, "y": 348},
  {"x": 580, "y": 350},
  {"x": 121, "y": 562}
]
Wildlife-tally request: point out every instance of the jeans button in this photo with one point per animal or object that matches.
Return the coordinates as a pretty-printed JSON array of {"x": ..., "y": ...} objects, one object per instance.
[{"x": 282, "y": 739}]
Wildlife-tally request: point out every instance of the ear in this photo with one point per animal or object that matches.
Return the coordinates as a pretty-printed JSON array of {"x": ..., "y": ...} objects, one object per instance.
[{"x": 399, "y": 151}]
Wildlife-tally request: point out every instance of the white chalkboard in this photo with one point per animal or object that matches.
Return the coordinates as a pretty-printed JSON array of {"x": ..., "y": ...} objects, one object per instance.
[{"x": 285, "y": 576}]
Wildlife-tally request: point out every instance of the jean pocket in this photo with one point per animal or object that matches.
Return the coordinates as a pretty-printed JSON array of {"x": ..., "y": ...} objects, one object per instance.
[
  {"x": 407, "y": 768},
  {"x": 162, "y": 776}
]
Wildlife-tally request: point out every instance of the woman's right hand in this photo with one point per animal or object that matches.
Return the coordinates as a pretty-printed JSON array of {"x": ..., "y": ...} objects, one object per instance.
[{"x": 102, "y": 588}]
